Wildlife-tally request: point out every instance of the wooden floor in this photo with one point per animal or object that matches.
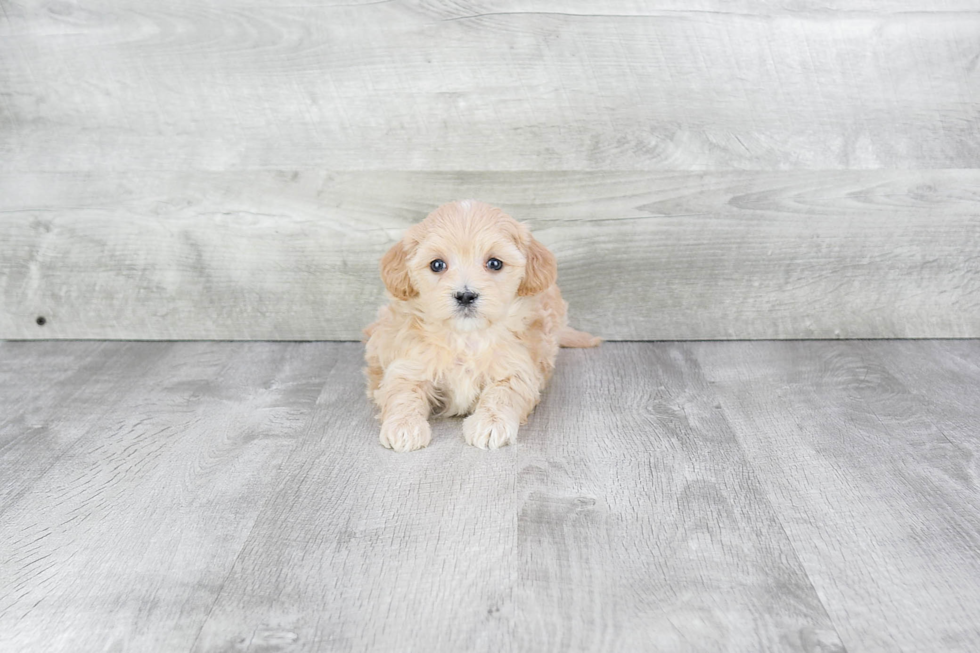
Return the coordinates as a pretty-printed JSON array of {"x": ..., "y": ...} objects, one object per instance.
[{"x": 725, "y": 496}]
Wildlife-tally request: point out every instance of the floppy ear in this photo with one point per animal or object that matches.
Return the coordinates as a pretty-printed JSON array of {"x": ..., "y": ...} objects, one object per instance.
[
  {"x": 394, "y": 272},
  {"x": 540, "y": 271}
]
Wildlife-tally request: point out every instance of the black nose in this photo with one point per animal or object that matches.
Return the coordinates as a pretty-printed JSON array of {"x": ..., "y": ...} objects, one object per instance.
[{"x": 465, "y": 298}]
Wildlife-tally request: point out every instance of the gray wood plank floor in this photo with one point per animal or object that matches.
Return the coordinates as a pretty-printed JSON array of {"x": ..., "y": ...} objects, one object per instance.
[{"x": 725, "y": 496}]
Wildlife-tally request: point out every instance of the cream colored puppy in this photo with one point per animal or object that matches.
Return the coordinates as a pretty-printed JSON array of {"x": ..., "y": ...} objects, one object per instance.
[{"x": 473, "y": 327}]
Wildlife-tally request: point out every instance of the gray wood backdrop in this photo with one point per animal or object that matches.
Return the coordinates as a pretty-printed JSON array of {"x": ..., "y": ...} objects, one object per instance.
[{"x": 702, "y": 168}]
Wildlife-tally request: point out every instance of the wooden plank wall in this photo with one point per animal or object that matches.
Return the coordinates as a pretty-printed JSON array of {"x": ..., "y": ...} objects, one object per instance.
[{"x": 704, "y": 169}]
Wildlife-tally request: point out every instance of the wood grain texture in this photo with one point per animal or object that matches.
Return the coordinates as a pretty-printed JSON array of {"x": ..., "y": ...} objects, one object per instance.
[
  {"x": 53, "y": 393},
  {"x": 357, "y": 549},
  {"x": 244, "y": 504},
  {"x": 704, "y": 170},
  {"x": 122, "y": 541},
  {"x": 551, "y": 545},
  {"x": 642, "y": 526},
  {"x": 292, "y": 255},
  {"x": 124, "y": 85},
  {"x": 868, "y": 453}
]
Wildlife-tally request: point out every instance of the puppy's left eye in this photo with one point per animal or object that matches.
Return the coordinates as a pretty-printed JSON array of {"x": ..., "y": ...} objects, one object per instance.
[{"x": 495, "y": 264}]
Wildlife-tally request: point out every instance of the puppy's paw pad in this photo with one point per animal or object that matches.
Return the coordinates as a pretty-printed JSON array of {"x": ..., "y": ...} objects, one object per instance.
[
  {"x": 489, "y": 431},
  {"x": 405, "y": 433}
]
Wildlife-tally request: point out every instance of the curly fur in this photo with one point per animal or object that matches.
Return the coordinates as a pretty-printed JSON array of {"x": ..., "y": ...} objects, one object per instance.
[{"x": 427, "y": 355}]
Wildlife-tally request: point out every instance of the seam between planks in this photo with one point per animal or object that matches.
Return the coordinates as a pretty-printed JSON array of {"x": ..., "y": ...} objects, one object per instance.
[{"x": 764, "y": 493}]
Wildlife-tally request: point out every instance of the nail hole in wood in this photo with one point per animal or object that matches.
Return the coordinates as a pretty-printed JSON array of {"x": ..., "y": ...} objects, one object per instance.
[{"x": 41, "y": 320}]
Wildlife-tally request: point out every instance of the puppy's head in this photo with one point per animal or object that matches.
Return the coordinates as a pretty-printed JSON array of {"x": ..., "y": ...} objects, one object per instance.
[{"x": 465, "y": 264}]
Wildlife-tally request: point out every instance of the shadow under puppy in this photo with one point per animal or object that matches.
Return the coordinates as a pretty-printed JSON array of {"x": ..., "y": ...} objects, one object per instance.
[{"x": 473, "y": 327}]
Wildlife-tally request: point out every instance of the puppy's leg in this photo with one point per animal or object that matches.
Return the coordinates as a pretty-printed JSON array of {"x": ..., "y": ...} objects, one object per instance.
[
  {"x": 404, "y": 410},
  {"x": 503, "y": 407}
]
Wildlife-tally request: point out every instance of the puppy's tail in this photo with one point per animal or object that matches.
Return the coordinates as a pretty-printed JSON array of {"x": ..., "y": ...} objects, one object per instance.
[{"x": 569, "y": 337}]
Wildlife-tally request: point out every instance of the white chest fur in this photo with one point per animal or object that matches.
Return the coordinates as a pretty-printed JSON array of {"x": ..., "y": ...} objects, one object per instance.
[{"x": 466, "y": 375}]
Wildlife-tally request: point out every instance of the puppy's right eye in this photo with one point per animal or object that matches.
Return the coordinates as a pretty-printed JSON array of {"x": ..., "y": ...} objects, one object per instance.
[{"x": 438, "y": 265}]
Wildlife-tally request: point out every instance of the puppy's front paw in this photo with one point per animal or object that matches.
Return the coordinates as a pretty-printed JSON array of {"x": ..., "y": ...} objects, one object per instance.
[
  {"x": 405, "y": 433},
  {"x": 488, "y": 430}
]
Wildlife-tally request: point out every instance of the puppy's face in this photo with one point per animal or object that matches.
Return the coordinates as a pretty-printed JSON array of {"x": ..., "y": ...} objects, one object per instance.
[{"x": 465, "y": 264}]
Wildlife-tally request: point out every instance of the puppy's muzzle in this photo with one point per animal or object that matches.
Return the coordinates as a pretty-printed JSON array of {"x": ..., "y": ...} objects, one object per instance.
[{"x": 466, "y": 298}]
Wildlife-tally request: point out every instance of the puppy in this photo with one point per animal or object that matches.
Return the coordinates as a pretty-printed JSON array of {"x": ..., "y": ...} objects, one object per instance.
[{"x": 473, "y": 327}]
